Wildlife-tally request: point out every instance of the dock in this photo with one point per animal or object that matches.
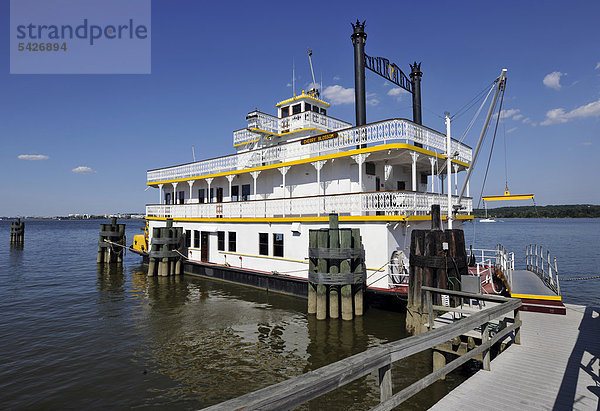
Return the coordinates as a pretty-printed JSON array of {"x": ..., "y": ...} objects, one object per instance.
[{"x": 556, "y": 366}]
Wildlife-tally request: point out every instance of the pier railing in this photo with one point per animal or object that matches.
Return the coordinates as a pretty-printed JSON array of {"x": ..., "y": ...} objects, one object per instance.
[
  {"x": 298, "y": 390},
  {"x": 389, "y": 131},
  {"x": 543, "y": 265},
  {"x": 386, "y": 202}
]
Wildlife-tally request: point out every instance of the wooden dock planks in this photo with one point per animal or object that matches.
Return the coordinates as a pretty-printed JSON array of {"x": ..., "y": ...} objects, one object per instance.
[{"x": 557, "y": 366}]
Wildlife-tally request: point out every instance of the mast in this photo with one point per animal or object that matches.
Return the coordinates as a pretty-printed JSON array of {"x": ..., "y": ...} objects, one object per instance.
[
  {"x": 499, "y": 84},
  {"x": 449, "y": 169}
]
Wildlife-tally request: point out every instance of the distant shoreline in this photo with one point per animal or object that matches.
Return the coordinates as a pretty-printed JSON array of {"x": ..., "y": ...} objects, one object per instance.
[{"x": 549, "y": 211}]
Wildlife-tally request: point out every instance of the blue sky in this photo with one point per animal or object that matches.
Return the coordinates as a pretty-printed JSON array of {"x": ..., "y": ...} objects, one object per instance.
[{"x": 212, "y": 62}]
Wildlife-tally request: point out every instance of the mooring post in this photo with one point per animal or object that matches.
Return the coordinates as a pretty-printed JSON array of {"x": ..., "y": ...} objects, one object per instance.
[
  {"x": 359, "y": 268},
  {"x": 385, "y": 382},
  {"x": 312, "y": 268},
  {"x": 485, "y": 338},
  {"x": 334, "y": 268},
  {"x": 345, "y": 268},
  {"x": 517, "y": 317},
  {"x": 322, "y": 268}
]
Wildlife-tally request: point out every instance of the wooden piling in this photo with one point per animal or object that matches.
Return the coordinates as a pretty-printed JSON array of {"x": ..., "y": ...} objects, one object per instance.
[
  {"x": 17, "y": 232},
  {"x": 111, "y": 243},
  {"x": 322, "y": 268},
  {"x": 345, "y": 268},
  {"x": 167, "y": 249},
  {"x": 312, "y": 268},
  {"x": 336, "y": 266}
]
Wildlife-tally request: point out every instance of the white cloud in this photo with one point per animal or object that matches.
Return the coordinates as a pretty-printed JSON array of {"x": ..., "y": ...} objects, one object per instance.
[
  {"x": 527, "y": 120},
  {"x": 32, "y": 157},
  {"x": 288, "y": 85},
  {"x": 397, "y": 93},
  {"x": 597, "y": 66},
  {"x": 336, "y": 78},
  {"x": 552, "y": 80},
  {"x": 511, "y": 130},
  {"x": 83, "y": 170},
  {"x": 518, "y": 117},
  {"x": 559, "y": 115},
  {"x": 339, "y": 95},
  {"x": 372, "y": 99},
  {"x": 508, "y": 113},
  {"x": 587, "y": 143}
]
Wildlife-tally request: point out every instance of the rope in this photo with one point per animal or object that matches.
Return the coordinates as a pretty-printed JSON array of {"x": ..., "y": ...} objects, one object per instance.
[
  {"x": 471, "y": 103},
  {"x": 581, "y": 278},
  {"x": 476, "y": 115}
]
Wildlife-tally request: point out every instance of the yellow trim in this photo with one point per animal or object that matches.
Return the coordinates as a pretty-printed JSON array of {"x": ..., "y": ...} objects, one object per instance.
[
  {"x": 264, "y": 256},
  {"x": 341, "y": 154},
  {"x": 303, "y": 95},
  {"x": 538, "y": 297},
  {"x": 508, "y": 197},
  {"x": 348, "y": 218},
  {"x": 289, "y": 132},
  {"x": 246, "y": 142}
]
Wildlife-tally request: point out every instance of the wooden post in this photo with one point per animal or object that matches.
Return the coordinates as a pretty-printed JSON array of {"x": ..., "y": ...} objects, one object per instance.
[
  {"x": 485, "y": 338},
  {"x": 334, "y": 268},
  {"x": 385, "y": 382},
  {"x": 517, "y": 317},
  {"x": 322, "y": 268},
  {"x": 439, "y": 360},
  {"x": 436, "y": 218},
  {"x": 359, "y": 267},
  {"x": 312, "y": 268},
  {"x": 153, "y": 247},
  {"x": 163, "y": 266},
  {"x": 345, "y": 267}
]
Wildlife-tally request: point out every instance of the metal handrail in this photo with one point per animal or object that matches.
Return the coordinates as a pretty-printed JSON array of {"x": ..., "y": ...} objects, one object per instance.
[
  {"x": 545, "y": 267},
  {"x": 298, "y": 390}
]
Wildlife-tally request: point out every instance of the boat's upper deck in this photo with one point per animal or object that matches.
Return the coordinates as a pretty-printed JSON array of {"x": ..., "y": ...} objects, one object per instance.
[{"x": 395, "y": 133}]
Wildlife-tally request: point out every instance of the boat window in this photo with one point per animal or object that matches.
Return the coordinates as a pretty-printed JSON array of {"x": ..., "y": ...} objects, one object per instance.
[
  {"x": 423, "y": 178},
  {"x": 246, "y": 192},
  {"x": 263, "y": 243},
  {"x": 235, "y": 193},
  {"x": 285, "y": 111},
  {"x": 211, "y": 195},
  {"x": 278, "y": 245},
  {"x": 221, "y": 240},
  {"x": 307, "y": 107},
  {"x": 232, "y": 242},
  {"x": 370, "y": 168},
  {"x": 401, "y": 185},
  {"x": 297, "y": 108},
  {"x": 315, "y": 109},
  {"x": 323, "y": 111},
  {"x": 196, "y": 239},
  {"x": 219, "y": 194},
  {"x": 188, "y": 238},
  {"x": 181, "y": 197},
  {"x": 167, "y": 198},
  {"x": 201, "y": 195}
]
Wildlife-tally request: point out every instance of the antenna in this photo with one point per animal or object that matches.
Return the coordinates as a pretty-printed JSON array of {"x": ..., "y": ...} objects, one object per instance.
[
  {"x": 294, "y": 77},
  {"x": 194, "y": 153},
  {"x": 314, "y": 89}
]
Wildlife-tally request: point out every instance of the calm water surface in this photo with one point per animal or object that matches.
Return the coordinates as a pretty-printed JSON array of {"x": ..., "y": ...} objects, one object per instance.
[{"x": 74, "y": 335}]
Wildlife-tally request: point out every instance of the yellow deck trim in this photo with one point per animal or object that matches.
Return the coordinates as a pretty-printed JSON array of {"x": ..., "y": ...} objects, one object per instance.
[
  {"x": 246, "y": 142},
  {"x": 289, "y": 132},
  {"x": 358, "y": 218},
  {"x": 538, "y": 297},
  {"x": 348, "y": 153},
  {"x": 301, "y": 96},
  {"x": 508, "y": 197}
]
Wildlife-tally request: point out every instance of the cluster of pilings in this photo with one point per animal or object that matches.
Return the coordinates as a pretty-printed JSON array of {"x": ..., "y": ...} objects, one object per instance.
[
  {"x": 17, "y": 232},
  {"x": 336, "y": 271},
  {"x": 437, "y": 259},
  {"x": 166, "y": 251},
  {"x": 111, "y": 243}
]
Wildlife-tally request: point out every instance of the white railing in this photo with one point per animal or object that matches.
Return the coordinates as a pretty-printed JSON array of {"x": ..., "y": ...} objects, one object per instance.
[
  {"x": 543, "y": 266},
  {"x": 377, "y": 133},
  {"x": 274, "y": 125},
  {"x": 387, "y": 202}
]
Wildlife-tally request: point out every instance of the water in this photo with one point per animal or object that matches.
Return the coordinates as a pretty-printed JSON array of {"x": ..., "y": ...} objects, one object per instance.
[{"x": 74, "y": 335}]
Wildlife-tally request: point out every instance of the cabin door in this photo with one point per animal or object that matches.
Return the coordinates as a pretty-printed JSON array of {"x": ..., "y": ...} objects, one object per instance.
[{"x": 204, "y": 246}]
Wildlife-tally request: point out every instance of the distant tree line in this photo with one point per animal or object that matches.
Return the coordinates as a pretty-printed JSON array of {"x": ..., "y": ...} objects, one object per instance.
[{"x": 550, "y": 211}]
